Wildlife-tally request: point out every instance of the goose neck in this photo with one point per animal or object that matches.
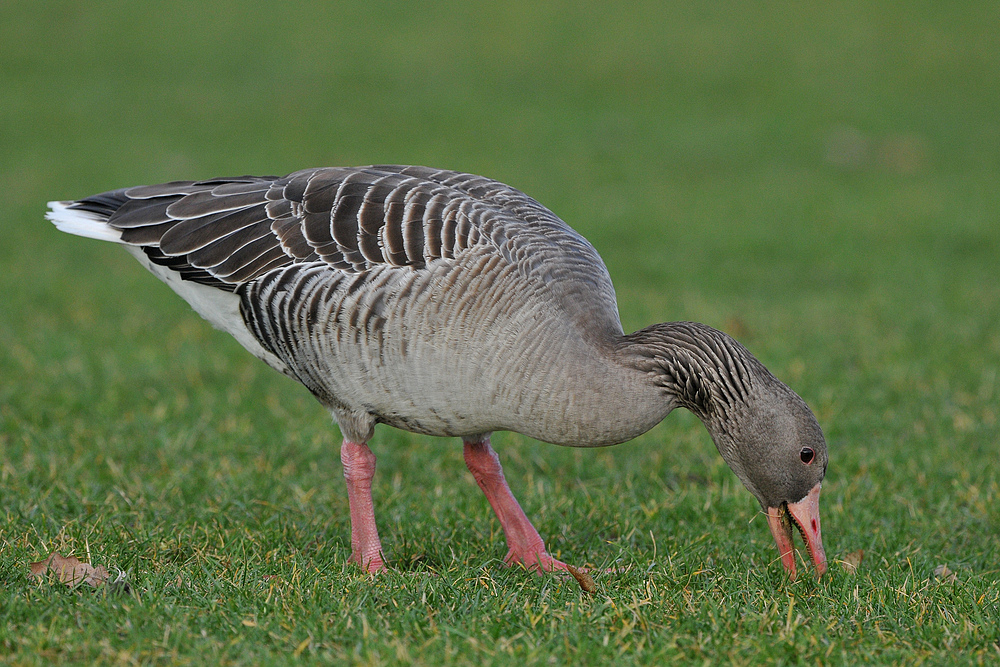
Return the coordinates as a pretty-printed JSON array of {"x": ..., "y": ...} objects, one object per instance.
[{"x": 703, "y": 369}]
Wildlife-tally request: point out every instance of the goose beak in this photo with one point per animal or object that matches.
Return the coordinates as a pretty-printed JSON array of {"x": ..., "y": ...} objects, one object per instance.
[{"x": 805, "y": 516}]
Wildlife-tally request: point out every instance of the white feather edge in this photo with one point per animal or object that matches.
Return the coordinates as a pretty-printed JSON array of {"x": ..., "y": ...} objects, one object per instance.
[{"x": 219, "y": 307}]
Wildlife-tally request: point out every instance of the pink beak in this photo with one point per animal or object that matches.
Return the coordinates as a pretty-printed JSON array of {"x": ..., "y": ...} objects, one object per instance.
[{"x": 805, "y": 515}]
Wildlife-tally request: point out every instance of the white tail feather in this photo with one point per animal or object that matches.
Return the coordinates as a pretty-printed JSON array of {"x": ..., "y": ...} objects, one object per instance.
[{"x": 81, "y": 223}]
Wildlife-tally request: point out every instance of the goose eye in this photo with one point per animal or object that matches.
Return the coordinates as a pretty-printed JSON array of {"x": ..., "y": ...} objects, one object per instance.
[{"x": 807, "y": 455}]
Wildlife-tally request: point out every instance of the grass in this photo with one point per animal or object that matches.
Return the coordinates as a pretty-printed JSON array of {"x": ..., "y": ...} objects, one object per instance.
[{"x": 818, "y": 180}]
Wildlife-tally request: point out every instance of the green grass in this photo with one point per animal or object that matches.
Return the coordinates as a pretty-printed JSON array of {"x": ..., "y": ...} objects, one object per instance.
[{"x": 820, "y": 181}]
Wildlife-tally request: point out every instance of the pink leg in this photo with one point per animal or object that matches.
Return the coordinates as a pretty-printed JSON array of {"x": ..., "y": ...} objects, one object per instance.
[
  {"x": 524, "y": 542},
  {"x": 359, "y": 468}
]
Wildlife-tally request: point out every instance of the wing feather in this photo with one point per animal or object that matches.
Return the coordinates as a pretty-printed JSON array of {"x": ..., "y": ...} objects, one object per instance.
[
  {"x": 225, "y": 256},
  {"x": 193, "y": 234}
]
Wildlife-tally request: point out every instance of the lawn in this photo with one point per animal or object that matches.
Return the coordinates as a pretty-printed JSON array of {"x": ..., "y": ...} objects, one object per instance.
[{"x": 819, "y": 180}]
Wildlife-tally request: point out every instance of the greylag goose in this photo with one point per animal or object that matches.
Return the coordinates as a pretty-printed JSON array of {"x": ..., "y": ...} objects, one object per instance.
[{"x": 450, "y": 304}]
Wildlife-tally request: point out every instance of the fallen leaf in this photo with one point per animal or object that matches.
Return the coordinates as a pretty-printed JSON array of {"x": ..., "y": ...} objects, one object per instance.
[
  {"x": 944, "y": 573},
  {"x": 851, "y": 560},
  {"x": 70, "y": 571},
  {"x": 584, "y": 579}
]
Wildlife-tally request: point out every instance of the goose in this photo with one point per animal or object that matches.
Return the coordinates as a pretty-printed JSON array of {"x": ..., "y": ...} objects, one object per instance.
[{"x": 449, "y": 304}]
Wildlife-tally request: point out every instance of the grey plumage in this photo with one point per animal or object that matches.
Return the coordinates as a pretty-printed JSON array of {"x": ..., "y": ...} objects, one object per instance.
[{"x": 447, "y": 304}]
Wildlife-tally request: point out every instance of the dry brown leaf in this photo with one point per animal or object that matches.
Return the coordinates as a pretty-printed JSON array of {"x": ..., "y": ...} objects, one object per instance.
[
  {"x": 584, "y": 579},
  {"x": 851, "y": 560},
  {"x": 70, "y": 571},
  {"x": 944, "y": 573}
]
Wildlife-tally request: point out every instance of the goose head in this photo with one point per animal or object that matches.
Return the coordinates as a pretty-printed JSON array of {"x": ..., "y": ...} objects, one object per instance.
[
  {"x": 777, "y": 449},
  {"x": 763, "y": 430}
]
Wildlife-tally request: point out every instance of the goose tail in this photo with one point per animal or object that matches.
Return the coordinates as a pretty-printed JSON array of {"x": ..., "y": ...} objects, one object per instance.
[{"x": 87, "y": 217}]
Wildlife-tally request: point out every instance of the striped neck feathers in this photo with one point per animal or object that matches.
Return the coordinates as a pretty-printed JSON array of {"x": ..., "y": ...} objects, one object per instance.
[{"x": 703, "y": 369}]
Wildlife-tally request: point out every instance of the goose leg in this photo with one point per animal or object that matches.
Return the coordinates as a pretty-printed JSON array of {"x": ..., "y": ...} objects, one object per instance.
[
  {"x": 524, "y": 542},
  {"x": 359, "y": 468}
]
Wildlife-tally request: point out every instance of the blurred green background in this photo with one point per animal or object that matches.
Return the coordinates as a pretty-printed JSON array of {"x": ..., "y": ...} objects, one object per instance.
[{"x": 818, "y": 179}]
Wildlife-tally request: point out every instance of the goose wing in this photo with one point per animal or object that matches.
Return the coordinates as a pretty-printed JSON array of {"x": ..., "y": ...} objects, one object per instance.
[{"x": 230, "y": 231}]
